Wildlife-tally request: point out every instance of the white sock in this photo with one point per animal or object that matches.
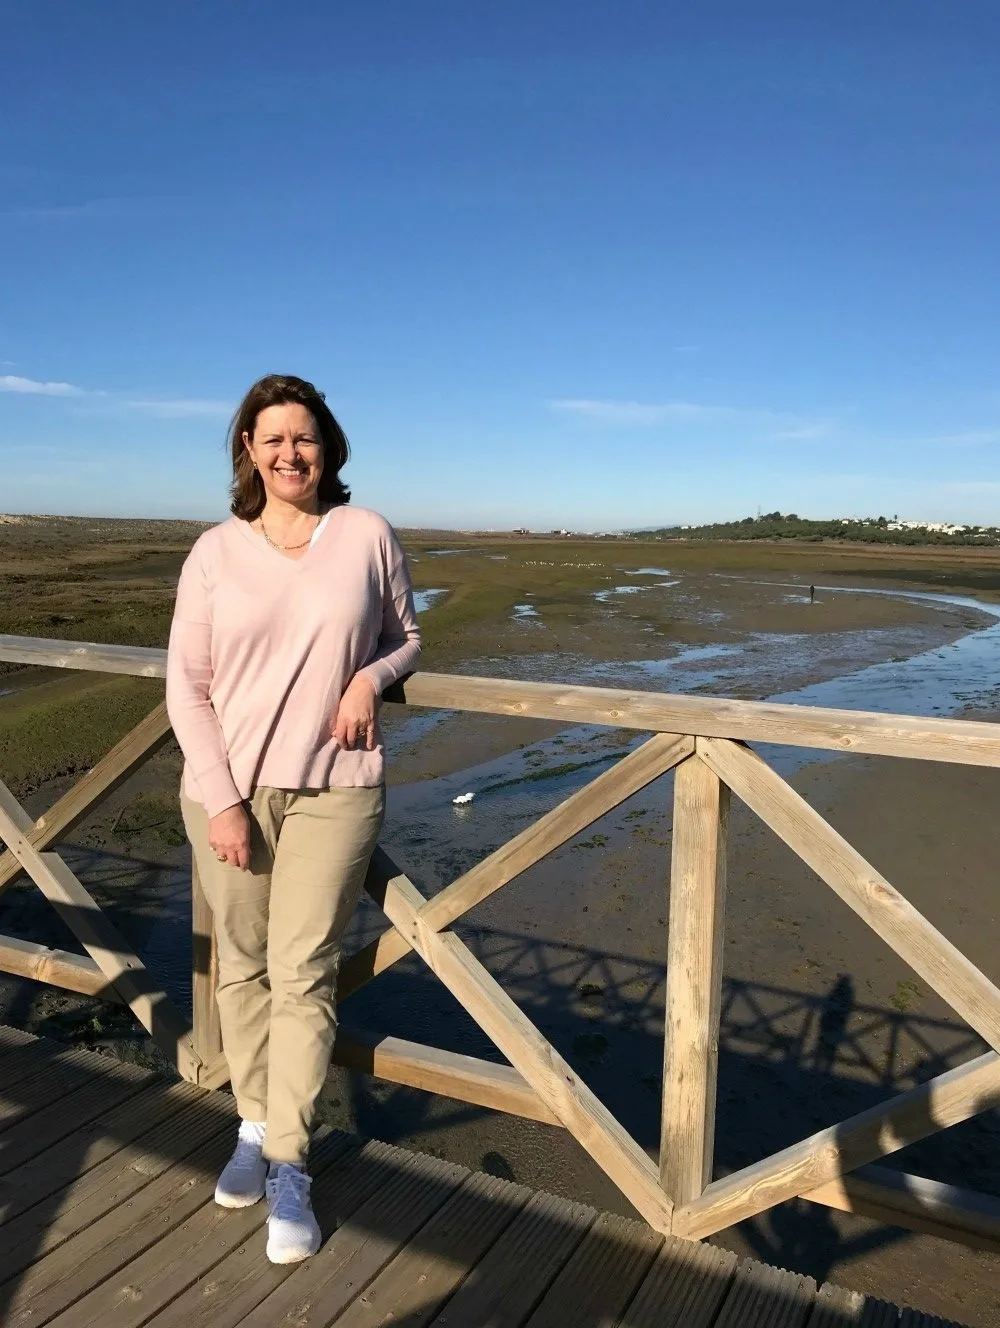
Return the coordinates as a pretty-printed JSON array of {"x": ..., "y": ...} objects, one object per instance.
[{"x": 252, "y": 1131}]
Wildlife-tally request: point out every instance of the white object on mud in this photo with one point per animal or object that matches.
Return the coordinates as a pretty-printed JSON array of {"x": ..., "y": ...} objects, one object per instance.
[{"x": 462, "y": 799}]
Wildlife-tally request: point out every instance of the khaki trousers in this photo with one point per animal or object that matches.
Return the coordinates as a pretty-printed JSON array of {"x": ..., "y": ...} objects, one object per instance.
[{"x": 279, "y": 928}]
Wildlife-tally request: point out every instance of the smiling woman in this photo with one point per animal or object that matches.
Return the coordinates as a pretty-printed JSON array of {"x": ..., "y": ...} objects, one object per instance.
[
  {"x": 288, "y": 451},
  {"x": 291, "y": 620}
]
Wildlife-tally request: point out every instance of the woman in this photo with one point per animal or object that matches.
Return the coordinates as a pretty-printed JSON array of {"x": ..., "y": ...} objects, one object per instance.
[{"x": 292, "y": 617}]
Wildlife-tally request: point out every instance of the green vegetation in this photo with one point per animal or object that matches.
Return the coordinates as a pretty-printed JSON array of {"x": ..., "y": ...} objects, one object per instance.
[
  {"x": 867, "y": 530},
  {"x": 65, "y": 726},
  {"x": 114, "y": 581},
  {"x": 906, "y": 995}
]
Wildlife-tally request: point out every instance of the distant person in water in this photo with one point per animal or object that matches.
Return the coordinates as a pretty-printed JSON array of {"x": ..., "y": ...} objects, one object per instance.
[
  {"x": 292, "y": 618},
  {"x": 812, "y": 594}
]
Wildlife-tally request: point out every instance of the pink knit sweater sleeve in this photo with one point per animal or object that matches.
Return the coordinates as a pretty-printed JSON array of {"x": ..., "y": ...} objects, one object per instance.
[
  {"x": 189, "y": 676},
  {"x": 398, "y": 647}
]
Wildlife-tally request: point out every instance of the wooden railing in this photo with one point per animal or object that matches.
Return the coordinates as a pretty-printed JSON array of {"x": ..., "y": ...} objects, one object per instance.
[{"x": 704, "y": 740}]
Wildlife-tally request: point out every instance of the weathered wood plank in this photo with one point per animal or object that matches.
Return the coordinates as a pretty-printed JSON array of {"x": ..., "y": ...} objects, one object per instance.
[
  {"x": 685, "y": 1285},
  {"x": 85, "y": 1260},
  {"x": 12, "y": 1038},
  {"x": 465, "y": 1078},
  {"x": 601, "y": 1277},
  {"x": 510, "y": 1281},
  {"x": 187, "y": 1252},
  {"x": 110, "y": 773},
  {"x": 243, "y": 1279},
  {"x": 694, "y": 979},
  {"x": 40, "y": 1079},
  {"x": 946, "y": 1100},
  {"x": 634, "y": 772},
  {"x": 899, "y": 1199},
  {"x": 64, "y": 1164},
  {"x": 432, "y": 1069},
  {"x": 964, "y": 742},
  {"x": 104, "y": 1087},
  {"x": 355, "y": 1254},
  {"x": 587, "y": 1119},
  {"x": 59, "y": 968},
  {"x": 917, "y": 1319},
  {"x": 88, "y": 656},
  {"x": 412, "y": 1288},
  {"x": 25, "y": 1059},
  {"x": 100, "y": 938},
  {"x": 191, "y": 1119},
  {"x": 960, "y": 741},
  {"x": 771, "y": 1296},
  {"x": 932, "y": 956},
  {"x": 838, "y": 1308}
]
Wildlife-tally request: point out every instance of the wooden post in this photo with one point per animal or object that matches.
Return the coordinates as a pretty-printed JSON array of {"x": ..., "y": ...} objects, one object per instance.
[
  {"x": 694, "y": 980},
  {"x": 204, "y": 974}
]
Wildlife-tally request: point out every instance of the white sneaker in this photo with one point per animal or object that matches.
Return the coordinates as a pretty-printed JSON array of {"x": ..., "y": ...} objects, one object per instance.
[
  {"x": 242, "y": 1181},
  {"x": 292, "y": 1229}
]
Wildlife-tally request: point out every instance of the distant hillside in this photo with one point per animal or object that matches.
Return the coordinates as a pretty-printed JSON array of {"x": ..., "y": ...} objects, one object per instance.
[{"x": 867, "y": 530}]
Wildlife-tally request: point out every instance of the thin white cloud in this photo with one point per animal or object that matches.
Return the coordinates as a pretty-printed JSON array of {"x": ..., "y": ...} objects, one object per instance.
[
  {"x": 86, "y": 207},
  {"x": 32, "y": 387},
  {"x": 971, "y": 438},
  {"x": 184, "y": 409},
  {"x": 644, "y": 413},
  {"x": 805, "y": 432},
  {"x": 640, "y": 414}
]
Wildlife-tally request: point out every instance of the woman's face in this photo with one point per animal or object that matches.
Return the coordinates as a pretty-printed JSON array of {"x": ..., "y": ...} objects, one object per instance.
[{"x": 288, "y": 451}]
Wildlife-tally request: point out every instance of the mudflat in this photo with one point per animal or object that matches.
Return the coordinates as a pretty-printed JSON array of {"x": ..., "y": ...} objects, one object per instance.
[{"x": 819, "y": 1018}]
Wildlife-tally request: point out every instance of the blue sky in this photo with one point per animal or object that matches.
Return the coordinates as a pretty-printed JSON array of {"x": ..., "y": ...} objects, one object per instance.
[{"x": 594, "y": 265}]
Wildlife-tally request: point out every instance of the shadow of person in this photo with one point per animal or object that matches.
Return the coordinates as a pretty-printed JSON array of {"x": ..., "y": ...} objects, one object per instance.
[
  {"x": 805, "y": 1237},
  {"x": 833, "y": 1018},
  {"x": 495, "y": 1164}
]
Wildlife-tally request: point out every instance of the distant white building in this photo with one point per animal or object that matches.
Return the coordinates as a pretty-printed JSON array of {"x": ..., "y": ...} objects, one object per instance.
[{"x": 935, "y": 527}]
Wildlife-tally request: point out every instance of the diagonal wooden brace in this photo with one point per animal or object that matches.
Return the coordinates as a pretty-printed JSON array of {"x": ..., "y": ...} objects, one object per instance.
[
  {"x": 110, "y": 772},
  {"x": 583, "y": 1114},
  {"x": 954, "y": 976},
  {"x": 648, "y": 762},
  {"x": 122, "y": 968},
  {"x": 824, "y": 1157}
]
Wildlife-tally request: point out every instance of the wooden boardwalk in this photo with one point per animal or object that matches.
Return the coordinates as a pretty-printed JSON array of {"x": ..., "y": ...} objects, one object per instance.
[{"x": 107, "y": 1218}]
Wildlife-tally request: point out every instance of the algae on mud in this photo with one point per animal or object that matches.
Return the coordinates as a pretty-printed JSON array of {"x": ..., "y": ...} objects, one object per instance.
[
  {"x": 579, "y": 941},
  {"x": 113, "y": 580}
]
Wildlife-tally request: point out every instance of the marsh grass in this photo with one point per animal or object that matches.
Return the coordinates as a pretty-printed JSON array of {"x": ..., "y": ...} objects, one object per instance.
[
  {"x": 110, "y": 580},
  {"x": 65, "y": 726}
]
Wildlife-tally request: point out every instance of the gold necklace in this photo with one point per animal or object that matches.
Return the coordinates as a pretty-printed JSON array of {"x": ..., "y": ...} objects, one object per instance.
[{"x": 284, "y": 548}]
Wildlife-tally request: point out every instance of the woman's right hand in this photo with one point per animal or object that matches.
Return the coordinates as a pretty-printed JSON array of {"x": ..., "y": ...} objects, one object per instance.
[{"x": 229, "y": 836}]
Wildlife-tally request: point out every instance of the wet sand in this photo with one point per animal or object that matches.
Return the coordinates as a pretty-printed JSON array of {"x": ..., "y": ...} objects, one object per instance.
[{"x": 819, "y": 1019}]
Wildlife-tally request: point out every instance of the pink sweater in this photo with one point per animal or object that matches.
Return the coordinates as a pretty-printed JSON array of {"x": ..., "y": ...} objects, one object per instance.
[{"x": 263, "y": 646}]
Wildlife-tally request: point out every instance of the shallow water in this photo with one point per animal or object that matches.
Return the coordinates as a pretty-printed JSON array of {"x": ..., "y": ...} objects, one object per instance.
[
  {"x": 436, "y": 841},
  {"x": 521, "y": 786},
  {"x": 605, "y": 596},
  {"x": 426, "y": 599}
]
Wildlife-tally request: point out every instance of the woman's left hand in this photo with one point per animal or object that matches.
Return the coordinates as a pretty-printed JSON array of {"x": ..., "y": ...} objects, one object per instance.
[{"x": 354, "y": 725}]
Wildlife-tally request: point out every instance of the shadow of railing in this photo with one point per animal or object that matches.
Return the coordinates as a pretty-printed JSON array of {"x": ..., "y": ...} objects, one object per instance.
[
  {"x": 493, "y": 1243},
  {"x": 791, "y": 1061}
]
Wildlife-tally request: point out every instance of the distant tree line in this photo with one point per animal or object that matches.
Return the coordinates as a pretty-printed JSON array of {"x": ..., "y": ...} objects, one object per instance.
[{"x": 788, "y": 525}]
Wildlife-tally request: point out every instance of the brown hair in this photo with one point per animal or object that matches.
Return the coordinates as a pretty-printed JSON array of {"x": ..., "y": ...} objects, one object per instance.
[{"x": 248, "y": 495}]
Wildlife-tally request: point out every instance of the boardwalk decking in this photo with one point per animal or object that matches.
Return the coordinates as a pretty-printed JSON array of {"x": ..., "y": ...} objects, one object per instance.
[{"x": 106, "y": 1218}]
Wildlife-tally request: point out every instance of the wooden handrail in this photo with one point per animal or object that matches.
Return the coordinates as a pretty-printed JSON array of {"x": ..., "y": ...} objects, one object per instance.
[
  {"x": 704, "y": 737},
  {"x": 956, "y": 741}
]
